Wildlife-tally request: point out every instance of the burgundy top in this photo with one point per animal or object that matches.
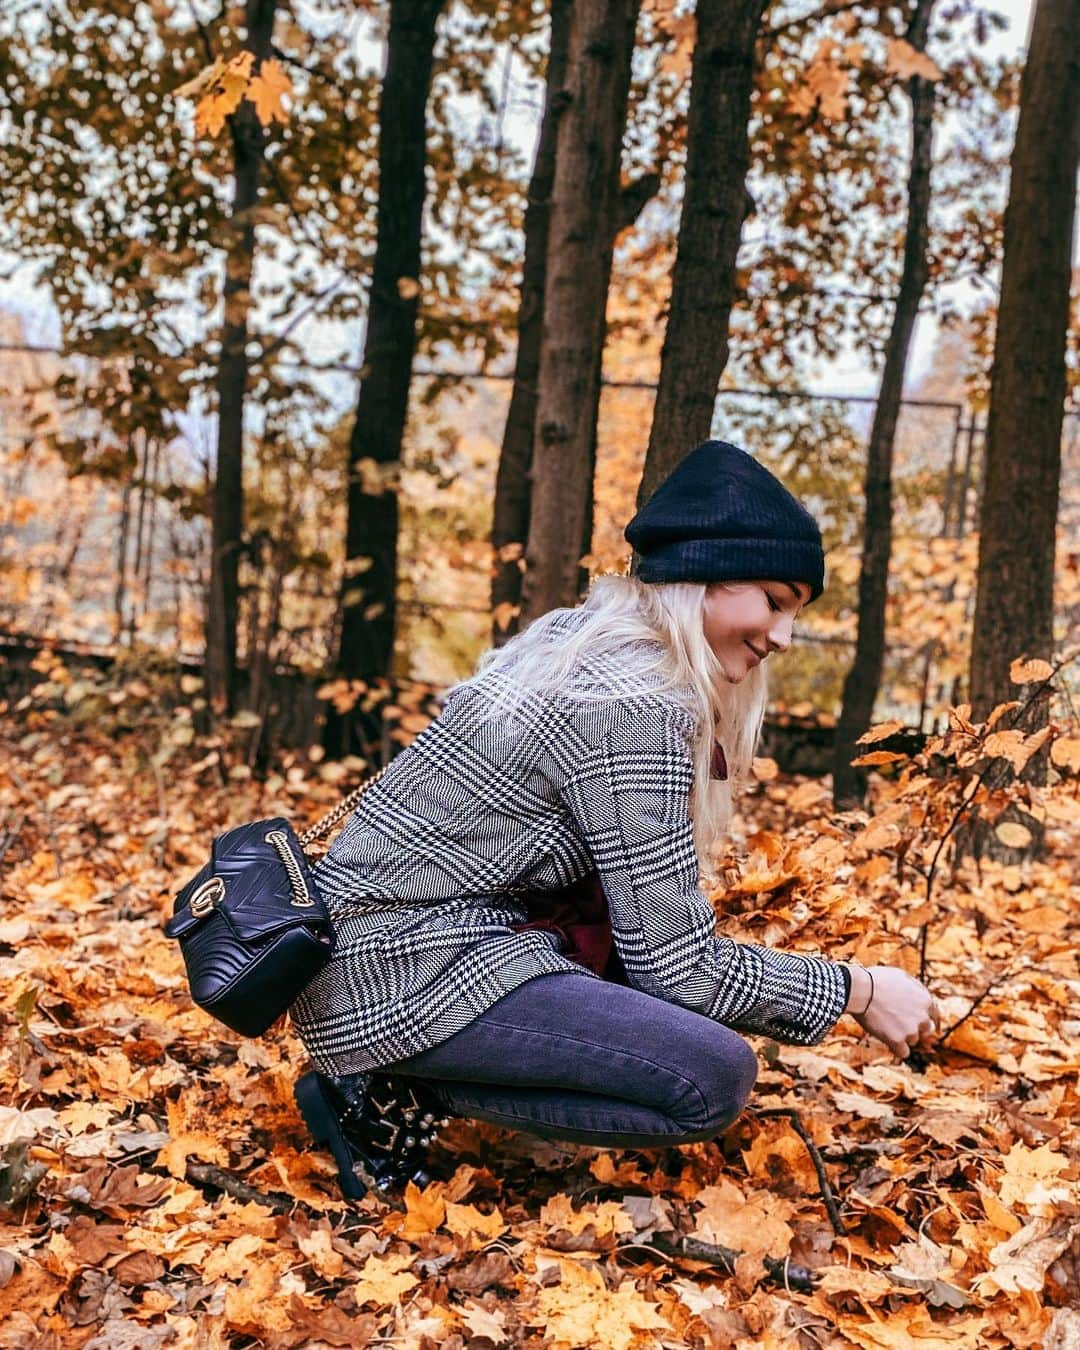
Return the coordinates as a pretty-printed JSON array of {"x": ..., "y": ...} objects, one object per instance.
[{"x": 579, "y": 914}]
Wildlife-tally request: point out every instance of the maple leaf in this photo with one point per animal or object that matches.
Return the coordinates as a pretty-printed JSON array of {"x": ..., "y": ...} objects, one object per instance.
[
  {"x": 267, "y": 89},
  {"x": 225, "y": 84},
  {"x": 1021, "y": 1262},
  {"x": 482, "y": 1322},
  {"x": 583, "y": 1311},
  {"x": 756, "y": 1226},
  {"x": 902, "y": 59},
  {"x": 1026, "y": 1171},
  {"x": 383, "y": 1279},
  {"x": 185, "y": 1143},
  {"x": 467, "y": 1221}
]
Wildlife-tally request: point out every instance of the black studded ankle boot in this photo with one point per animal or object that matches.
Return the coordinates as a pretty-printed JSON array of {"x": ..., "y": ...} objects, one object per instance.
[{"x": 377, "y": 1126}]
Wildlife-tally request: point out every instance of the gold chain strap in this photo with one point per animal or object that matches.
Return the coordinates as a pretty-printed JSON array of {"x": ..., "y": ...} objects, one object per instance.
[
  {"x": 339, "y": 812},
  {"x": 347, "y": 804}
]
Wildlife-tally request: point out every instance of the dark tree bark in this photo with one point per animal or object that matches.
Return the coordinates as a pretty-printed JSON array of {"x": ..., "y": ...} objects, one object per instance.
[
  {"x": 864, "y": 678},
  {"x": 714, "y": 205},
  {"x": 585, "y": 208},
  {"x": 510, "y": 522},
  {"x": 228, "y": 498},
  {"x": 368, "y": 586},
  {"x": 1014, "y": 596}
]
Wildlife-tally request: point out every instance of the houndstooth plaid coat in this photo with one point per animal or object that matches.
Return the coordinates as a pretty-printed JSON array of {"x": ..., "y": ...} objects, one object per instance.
[{"x": 417, "y": 881}]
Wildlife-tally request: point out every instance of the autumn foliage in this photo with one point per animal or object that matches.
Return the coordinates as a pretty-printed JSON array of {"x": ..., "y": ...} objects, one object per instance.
[{"x": 157, "y": 1186}]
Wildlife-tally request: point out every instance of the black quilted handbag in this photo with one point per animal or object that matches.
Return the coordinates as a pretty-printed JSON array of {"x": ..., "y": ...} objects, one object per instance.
[{"x": 252, "y": 927}]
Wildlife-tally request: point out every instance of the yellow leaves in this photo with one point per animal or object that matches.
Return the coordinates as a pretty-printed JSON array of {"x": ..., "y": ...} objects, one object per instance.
[
  {"x": 256, "y": 1306},
  {"x": 756, "y": 1225},
  {"x": 606, "y": 1219},
  {"x": 220, "y": 88},
  {"x": 1029, "y": 1179},
  {"x": 187, "y": 1142},
  {"x": 467, "y": 1222},
  {"x": 384, "y": 1279},
  {"x": 482, "y": 1322},
  {"x": 1021, "y": 1262},
  {"x": 765, "y": 770},
  {"x": 318, "y": 1247},
  {"x": 408, "y": 288},
  {"x": 582, "y": 1311},
  {"x": 903, "y": 60}
]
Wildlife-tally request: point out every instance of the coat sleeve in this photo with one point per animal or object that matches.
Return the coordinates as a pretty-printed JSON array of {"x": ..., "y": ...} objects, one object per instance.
[{"x": 630, "y": 800}]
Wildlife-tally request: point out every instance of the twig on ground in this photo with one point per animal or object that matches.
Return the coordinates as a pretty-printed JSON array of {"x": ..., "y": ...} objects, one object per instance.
[
  {"x": 964, "y": 804},
  {"x": 724, "y": 1258},
  {"x": 203, "y": 1174},
  {"x": 11, "y": 835},
  {"x": 976, "y": 1002},
  {"x": 828, "y": 1199}
]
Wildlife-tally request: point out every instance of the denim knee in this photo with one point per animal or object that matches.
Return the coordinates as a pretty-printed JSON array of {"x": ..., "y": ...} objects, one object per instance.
[{"x": 724, "y": 1085}]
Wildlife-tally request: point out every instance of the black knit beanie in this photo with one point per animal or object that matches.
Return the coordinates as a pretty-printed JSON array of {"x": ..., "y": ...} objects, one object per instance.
[{"x": 722, "y": 516}]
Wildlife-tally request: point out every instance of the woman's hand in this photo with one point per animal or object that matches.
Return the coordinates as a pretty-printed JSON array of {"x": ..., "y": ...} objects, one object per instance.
[{"x": 892, "y": 1006}]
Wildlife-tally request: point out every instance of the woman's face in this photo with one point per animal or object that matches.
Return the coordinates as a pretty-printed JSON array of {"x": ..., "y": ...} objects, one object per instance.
[{"x": 747, "y": 620}]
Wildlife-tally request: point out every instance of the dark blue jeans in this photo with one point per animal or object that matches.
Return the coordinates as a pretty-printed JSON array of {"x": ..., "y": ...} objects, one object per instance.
[{"x": 567, "y": 1057}]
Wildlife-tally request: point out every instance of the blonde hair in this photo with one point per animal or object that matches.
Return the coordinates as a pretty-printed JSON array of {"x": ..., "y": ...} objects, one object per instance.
[{"x": 658, "y": 631}]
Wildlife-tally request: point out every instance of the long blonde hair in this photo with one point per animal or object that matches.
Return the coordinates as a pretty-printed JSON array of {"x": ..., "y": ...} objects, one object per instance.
[{"x": 658, "y": 631}]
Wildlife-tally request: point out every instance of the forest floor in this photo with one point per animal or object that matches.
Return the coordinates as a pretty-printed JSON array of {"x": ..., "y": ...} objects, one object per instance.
[{"x": 157, "y": 1186}]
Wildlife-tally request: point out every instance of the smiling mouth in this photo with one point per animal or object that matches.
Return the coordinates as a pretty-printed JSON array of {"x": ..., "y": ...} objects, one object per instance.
[{"x": 758, "y": 654}]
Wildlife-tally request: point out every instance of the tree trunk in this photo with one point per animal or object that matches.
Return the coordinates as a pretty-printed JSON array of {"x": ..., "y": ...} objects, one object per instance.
[
  {"x": 585, "y": 205},
  {"x": 368, "y": 585},
  {"x": 714, "y": 206},
  {"x": 864, "y": 678},
  {"x": 228, "y": 499},
  {"x": 510, "y": 522},
  {"x": 1015, "y": 587}
]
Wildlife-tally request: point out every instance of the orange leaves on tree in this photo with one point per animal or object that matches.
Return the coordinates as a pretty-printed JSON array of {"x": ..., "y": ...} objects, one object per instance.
[
  {"x": 267, "y": 90},
  {"x": 826, "y": 84},
  {"x": 219, "y": 89},
  {"x": 1030, "y": 672},
  {"x": 904, "y": 60}
]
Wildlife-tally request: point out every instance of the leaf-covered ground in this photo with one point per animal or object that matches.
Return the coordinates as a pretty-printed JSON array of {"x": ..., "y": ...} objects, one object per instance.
[{"x": 157, "y": 1186}]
